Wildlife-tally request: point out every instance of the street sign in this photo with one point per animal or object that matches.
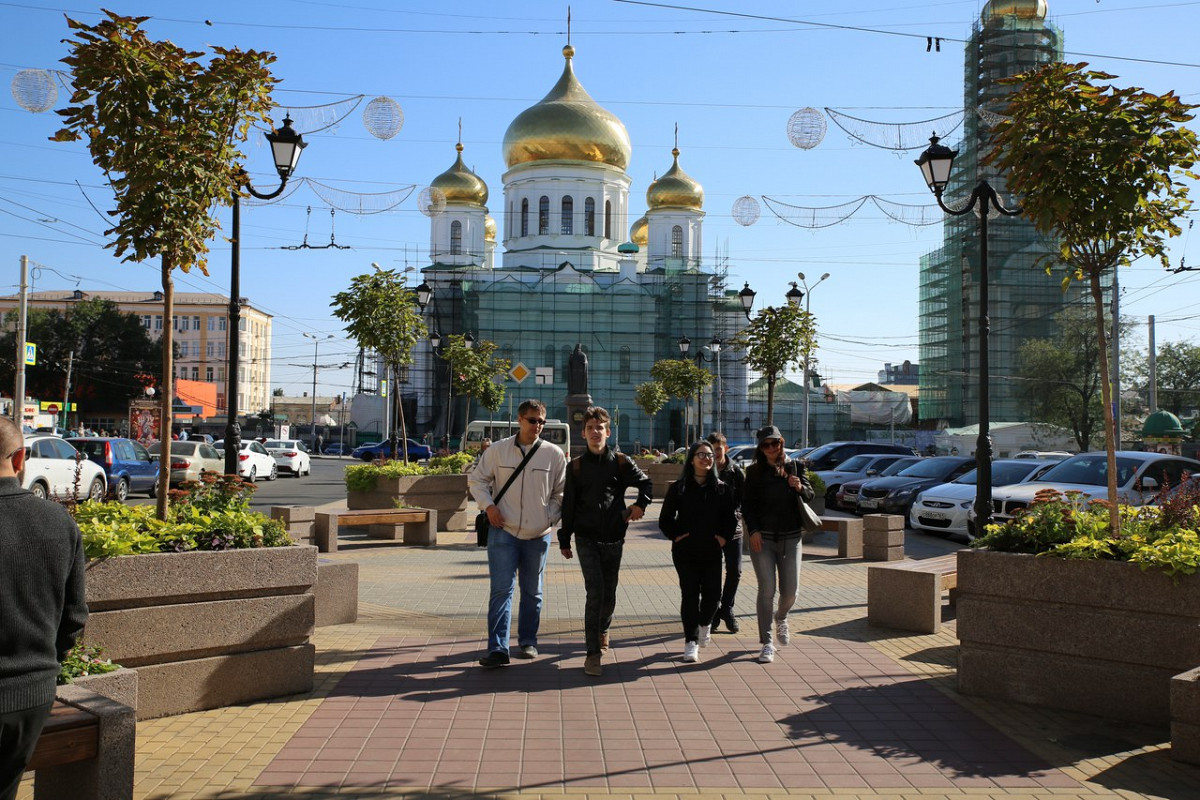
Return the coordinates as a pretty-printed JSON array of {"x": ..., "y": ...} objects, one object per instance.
[
  {"x": 30, "y": 354},
  {"x": 519, "y": 373},
  {"x": 52, "y": 408},
  {"x": 545, "y": 375}
]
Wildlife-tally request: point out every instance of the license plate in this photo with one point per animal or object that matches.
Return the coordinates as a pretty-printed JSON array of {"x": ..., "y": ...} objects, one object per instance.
[
  {"x": 932, "y": 515},
  {"x": 867, "y": 502}
]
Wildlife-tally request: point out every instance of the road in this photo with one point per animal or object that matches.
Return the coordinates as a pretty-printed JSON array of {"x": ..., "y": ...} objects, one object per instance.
[{"x": 324, "y": 485}]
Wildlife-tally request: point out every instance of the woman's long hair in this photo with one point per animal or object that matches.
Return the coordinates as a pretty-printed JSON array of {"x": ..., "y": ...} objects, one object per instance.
[
  {"x": 765, "y": 464},
  {"x": 689, "y": 468}
]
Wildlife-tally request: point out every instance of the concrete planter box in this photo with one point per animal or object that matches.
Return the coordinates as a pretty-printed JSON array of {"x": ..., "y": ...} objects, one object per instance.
[
  {"x": 1098, "y": 637},
  {"x": 206, "y": 629},
  {"x": 120, "y": 685},
  {"x": 663, "y": 475},
  {"x": 446, "y": 494},
  {"x": 1185, "y": 717}
]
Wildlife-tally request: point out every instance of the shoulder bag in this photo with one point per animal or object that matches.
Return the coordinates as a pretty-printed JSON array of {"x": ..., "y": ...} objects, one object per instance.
[
  {"x": 482, "y": 524},
  {"x": 809, "y": 520}
]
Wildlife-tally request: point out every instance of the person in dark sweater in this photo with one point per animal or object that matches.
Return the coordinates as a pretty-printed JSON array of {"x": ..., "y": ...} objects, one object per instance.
[
  {"x": 594, "y": 512},
  {"x": 698, "y": 516},
  {"x": 42, "y": 607},
  {"x": 735, "y": 476}
]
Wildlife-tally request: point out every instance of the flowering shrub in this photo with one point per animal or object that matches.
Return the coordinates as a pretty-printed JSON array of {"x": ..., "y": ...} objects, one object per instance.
[
  {"x": 84, "y": 660},
  {"x": 362, "y": 477},
  {"x": 1165, "y": 535}
]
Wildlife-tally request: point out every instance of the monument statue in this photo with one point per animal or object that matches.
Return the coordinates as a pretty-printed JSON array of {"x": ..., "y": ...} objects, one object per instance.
[{"x": 577, "y": 369}]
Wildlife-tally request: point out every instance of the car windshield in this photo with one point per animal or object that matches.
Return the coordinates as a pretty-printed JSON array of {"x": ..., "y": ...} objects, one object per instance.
[
  {"x": 854, "y": 463},
  {"x": 92, "y": 447},
  {"x": 1090, "y": 470},
  {"x": 277, "y": 444},
  {"x": 899, "y": 466},
  {"x": 929, "y": 468},
  {"x": 1002, "y": 474}
]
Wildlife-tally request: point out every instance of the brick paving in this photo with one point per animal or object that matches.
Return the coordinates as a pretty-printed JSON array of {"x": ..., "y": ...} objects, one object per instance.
[{"x": 846, "y": 711}]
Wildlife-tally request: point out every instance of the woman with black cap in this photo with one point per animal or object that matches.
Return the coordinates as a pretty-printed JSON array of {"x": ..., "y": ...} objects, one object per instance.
[{"x": 770, "y": 508}]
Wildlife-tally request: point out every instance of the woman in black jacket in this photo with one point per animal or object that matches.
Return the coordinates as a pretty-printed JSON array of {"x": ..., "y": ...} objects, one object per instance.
[
  {"x": 770, "y": 508},
  {"x": 699, "y": 517}
]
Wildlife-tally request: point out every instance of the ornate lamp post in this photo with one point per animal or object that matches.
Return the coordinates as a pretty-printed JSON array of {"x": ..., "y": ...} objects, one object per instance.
[
  {"x": 312, "y": 419},
  {"x": 286, "y": 145},
  {"x": 794, "y": 296},
  {"x": 935, "y": 164},
  {"x": 714, "y": 347},
  {"x": 746, "y": 297},
  {"x": 435, "y": 341}
]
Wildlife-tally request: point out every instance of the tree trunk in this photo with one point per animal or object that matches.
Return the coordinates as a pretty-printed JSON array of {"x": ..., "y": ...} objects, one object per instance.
[
  {"x": 167, "y": 388},
  {"x": 400, "y": 413},
  {"x": 770, "y": 400},
  {"x": 1110, "y": 449}
]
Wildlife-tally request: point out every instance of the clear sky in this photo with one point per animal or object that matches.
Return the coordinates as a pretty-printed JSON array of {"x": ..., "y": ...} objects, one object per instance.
[{"x": 729, "y": 74}]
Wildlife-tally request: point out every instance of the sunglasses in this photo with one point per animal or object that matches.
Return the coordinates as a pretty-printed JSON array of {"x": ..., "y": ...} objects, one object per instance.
[
  {"x": 535, "y": 421},
  {"x": 771, "y": 444}
]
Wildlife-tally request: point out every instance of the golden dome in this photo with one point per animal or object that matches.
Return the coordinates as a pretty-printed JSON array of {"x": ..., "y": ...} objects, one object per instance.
[
  {"x": 675, "y": 189},
  {"x": 489, "y": 229},
  {"x": 567, "y": 124},
  {"x": 639, "y": 232},
  {"x": 459, "y": 184},
  {"x": 1023, "y": 9}
]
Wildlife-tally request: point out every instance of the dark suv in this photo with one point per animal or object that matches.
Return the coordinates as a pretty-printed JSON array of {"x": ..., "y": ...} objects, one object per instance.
[
  {"x": 828, "y": 456},
  {"x": 127, "y": 464}
]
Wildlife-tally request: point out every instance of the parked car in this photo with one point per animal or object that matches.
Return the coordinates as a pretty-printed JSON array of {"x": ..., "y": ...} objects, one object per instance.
[
  {"x": 50, "y": 469},
  {"x": 337, "y": 449},
  {"x": 190, "y": 459},
  {"x": 1044, "y": 455},
  {"x": 847, "y": 497},
  {"x": 895, "y": 494},
  {"x": 254, "y": 461},
  {"x": 741, "y": 454},
  {"x": 127, "y": 464},
  {"x": 943, "y": 509},
  {"x": 53, "y": 430},
  {"x": 370, "y": 452},
  {"x": 1140, "y": 477},
  {"x": 828, "y": 456},
  {"x": 291, "y": 455},
  {"x": 864, "y": 466}
]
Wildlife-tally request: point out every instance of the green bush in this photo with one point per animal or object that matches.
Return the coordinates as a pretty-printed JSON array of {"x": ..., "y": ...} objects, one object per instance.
[
  {"x": 818, "y": 485},
  {"x": 362, "y": 477},
  {"x": 211, "y": 515},
  {"x": 1069, "y": 526},
  {"x": 84, "y": 660}
]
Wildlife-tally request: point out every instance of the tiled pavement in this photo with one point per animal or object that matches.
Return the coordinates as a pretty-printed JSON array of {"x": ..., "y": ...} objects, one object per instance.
[{"x": 846, "y": 710}]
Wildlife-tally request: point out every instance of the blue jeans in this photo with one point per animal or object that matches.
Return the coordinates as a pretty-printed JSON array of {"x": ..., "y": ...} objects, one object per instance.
[
  {"x": 777, "y": 557},
  {"x": 513, "y": 562}
]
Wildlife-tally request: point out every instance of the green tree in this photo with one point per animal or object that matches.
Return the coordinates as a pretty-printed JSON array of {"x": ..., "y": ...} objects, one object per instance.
[
  {"x": 381, "y": 314},
  {"x": 681, "y": 378},
  {"x": 650, "y": 398},
  {"x": 474, "y": 369},
  {"x": 164, "y": 127},
  {"x": 1177, "y": 376},
  {"x": 775, "y": 340},
  {"x": 1101, "y": 169},
  {"x": 114, "y": 357}
]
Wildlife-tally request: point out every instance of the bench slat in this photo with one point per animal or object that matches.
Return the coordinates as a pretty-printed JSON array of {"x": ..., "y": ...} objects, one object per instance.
[
  {"x": 373, "y": 517},
  {"x": 70, "y": 734}
]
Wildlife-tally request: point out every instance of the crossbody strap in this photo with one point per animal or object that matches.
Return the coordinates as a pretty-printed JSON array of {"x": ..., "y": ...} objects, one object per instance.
[{"x": 517, "y": 471}]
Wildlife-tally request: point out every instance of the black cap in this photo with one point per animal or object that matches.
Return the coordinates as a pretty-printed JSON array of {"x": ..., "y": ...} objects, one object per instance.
[{"x": 768, "y": 432}]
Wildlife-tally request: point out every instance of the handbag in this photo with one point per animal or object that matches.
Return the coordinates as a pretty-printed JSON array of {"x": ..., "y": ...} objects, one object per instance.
[
  {"x": 809, "y": 520},
  {"x": 482, "y": 524}
]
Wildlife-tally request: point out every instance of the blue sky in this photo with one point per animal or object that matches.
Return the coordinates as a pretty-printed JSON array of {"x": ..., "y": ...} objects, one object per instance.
[{"x": 728, "y": 79}]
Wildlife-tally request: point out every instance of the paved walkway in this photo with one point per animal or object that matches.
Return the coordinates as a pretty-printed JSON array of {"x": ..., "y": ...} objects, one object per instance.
[{"x": 846, "y": 710}]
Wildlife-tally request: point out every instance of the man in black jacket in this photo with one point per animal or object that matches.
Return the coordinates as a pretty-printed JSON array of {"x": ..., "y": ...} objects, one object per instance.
[
  {"x": 594, "y": 511},
  {"x": 42, "y": 607},
  {"x": 733, "y": 475}
]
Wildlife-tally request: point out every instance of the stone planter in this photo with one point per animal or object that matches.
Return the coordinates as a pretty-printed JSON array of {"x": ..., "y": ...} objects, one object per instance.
[
  {"x": 663, "y": 475},
  {"x": 1185, "y": 717},
  {"x": 206, "y": 629},
  {"x": 447, "y": 494},
  {"x": 120, "y": 685},
  {"x": 1098, "y": 637}
]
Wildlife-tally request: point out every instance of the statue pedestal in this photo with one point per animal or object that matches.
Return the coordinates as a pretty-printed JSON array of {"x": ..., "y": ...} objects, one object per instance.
[{"x": 576, "y": 405}]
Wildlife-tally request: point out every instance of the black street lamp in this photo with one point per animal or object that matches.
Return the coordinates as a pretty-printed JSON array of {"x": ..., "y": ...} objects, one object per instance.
[
  {"x": 286, "y": 145},
  {"x": 794, "y": 296},
  {"x": 435, "y": 341},
  {"x": 746, "y": 297},
  {"x": 714, "y": 347},
  {"x": 935, "y": 164}
]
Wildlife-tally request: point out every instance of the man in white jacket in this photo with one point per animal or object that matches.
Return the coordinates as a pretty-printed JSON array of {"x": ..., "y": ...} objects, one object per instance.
[{"x": 519, "y": 536}]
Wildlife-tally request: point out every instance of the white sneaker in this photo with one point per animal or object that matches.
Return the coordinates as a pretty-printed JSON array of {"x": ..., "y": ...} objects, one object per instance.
[
  {"x": 691, "y": 653},
  {"x": 768, "y": 654},
  {"x": 705, "y": 636},
  {"x": 782, "y": 633}
]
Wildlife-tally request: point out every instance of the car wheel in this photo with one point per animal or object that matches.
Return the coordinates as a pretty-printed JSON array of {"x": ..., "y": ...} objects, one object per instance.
[
  {"x": 368, "y": 457},
  {"x": 96, "y": 490},
  {"x": 121, "y": 490},
  {"x": 253, "y": 476},
  {"x": 153, "y": 489},
  {"x": 40, "y": 491},
  {"x": 274, "y": 473},
  {"x": 831, "y": 496}
]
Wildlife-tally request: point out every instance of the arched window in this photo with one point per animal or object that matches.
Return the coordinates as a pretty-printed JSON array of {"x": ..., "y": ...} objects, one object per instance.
[
  {"x": 525, "y": 216},
  {"x": 544, "y": 216},
  {"x": 548, "y": 356},
  {"x": 624, "y": 364},
  {"x": 456, "y": 238},
  {"x": 677, "y": 242},
  {"x": 608, "y": 219},
  {"x": 589, "y": 217},
  {"x": 567, "y": 221}
]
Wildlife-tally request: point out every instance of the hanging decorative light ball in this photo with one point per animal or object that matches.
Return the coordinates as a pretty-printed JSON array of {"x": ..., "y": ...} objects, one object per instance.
[
  {"x": 34, "y": 90},
  {"x": 745, "y": 210},
  {"x": 383, "y": 118},
  {"x": 431, "y": 201},
  {"x": 806, "y": 128}
]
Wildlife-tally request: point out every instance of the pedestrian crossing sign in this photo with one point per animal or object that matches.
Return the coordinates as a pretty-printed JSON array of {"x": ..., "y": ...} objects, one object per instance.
[{"x": 30, "y": 354}]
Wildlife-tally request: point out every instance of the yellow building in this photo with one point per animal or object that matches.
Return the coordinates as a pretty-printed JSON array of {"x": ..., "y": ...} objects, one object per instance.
[{"x": 200, "y": 322}]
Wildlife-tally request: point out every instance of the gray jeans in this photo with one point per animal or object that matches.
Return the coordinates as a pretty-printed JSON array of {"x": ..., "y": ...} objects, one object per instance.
[{"x": 778, "y": 557}]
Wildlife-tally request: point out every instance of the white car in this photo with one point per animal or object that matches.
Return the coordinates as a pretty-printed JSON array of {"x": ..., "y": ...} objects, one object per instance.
[
  {"x": 944, "y": 508},
  {"x": 254, "y": 461},
  {"x": 290, "y": 456},
  {"x": 50, "y": 466},
  {"x": 1140, "y": 477}
]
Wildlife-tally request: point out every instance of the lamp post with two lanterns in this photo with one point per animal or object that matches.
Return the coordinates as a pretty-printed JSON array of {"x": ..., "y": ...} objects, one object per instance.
[
  {"x": 435, "y": 341},
  {"x": 936, "y": 163},
  {"x": 714, "y": 347},
  {"x": 794, "y": 296},
  {"x": 286, "y": 145}
]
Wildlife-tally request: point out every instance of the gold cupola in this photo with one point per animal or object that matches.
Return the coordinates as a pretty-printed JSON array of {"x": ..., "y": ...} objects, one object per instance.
[
  {"x": 461, "y": 185},
  {"x": 639, "y": 232},
  {"x": 569, "y": 125},
  {"x": 489, "y": 229},
  {"x": 1022, "y": 9},
  {"x": 675, "y": 189}
]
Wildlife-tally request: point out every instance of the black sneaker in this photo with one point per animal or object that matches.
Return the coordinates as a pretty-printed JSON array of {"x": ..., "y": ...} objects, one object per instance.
[
  {"x": 730, "y": 621},
  {"x": 496, "y": 659},
  {"x": 527, "y": 651}
]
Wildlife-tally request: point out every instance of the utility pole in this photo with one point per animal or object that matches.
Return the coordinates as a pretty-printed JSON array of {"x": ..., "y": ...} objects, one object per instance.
[
  {"x": 22, "y": 327},
  {"x": 67, "y": 388}
]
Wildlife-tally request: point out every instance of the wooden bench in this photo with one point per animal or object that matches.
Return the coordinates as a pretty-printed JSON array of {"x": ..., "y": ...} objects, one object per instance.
[
  {"x": 86, "y": 749},
  {"x": 419, "y": 525},
  {"x": 908, "y": 594}
]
